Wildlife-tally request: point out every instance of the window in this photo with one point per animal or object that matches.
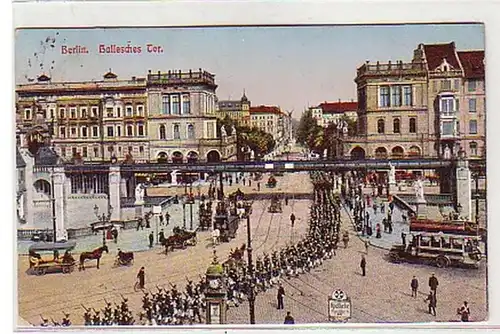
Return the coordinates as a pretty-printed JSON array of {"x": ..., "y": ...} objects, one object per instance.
[
  {"x": 186, "y": 104},
  {"x": 95, "y": 131},
  {"x": 84, "y": 131},
  {"x": 128, "y": 111},
  {"x": 396, "y": 96},
  {"x": 165, "y": 109},
  {"x": 62, "y": 113},
  {"x": 140, "y": 130},
  {"x": 210, "y": 130},
  {"x": 130, "y": 131},
  {"x": 384, "y": 96},
  {"x": 473, "y": 127},
  {"x": 62, "y": 132},
  {"x": 72, "y": 132},
  {"x": 141, "y": 149},
  {"x": 380, "y": 126},
  {"x": 473, "y": 148},
  {"x": 109, "y": 112},
  {"x": 457, "y": 84},
  {"x": 96, "y": 152},
  {"x": 130, "y": 149},
  {"x": 175, "y": 105},
  {"x": 95, "y": 112},
  {"x": 52, "y": 112},
  {"x": 448, "y": 128},
  {"x": 140, "y": 110},
  {"x": 74, "y": 151},
  {"x": 396, "y": 125},
  {"x": 72, "y": 112},
  {"x": 110, "y": 131},
  {"x": 472, "y": 105},
  {"x": 471, "y": 85},
  {"x": 83, "y": 112},
  {"x": 27, "y": 114},
  {"x": 407, "y": 96},
  {"x": 84, "y": 152},
  {"x": 190, "y": 131},
  {"x": 446, "y": 105},
  {"x": 177, "y": 133},
  {"x": 118, "y": 111},
  {"x": 413, "y": 125},
  {"x": 163, "y": 134},
  {"x": 118, "y": 131},
  {"x": 63, "y": 151},
  {"x": 445, "y": 85}
]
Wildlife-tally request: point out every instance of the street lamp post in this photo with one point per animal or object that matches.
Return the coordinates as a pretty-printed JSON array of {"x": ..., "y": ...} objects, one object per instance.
[
  {"x": 476, "y": 179},
  {"x": 251, "y": 294},
  {"x": 191, "y": 202},
  {"x": 53, "y": 200},
  {"x": 184, "y": 213},
  {"x": 103, "y": 219}
]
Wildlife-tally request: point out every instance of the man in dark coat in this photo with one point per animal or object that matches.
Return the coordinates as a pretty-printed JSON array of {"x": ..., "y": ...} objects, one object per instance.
[
  {"x": 433, "y": 283},
  {"x": 141, "y": 276},
  {"x": 414, "y": 287},
  {"x": 363, "y": 265},
  {"x": 292, "y": 219},
  {"x": 281, "y": 294},
  {"x": 289, "y": 320},
  {"x": 151, "y": 239},
  {"x": 431, "y": 298}
]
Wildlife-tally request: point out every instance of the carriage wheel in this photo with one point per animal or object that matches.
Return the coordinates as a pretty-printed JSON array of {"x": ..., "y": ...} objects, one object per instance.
[
  {"x": 40, "y": 271},
  {"x": 66, "y": 269},
  {"x": 395, "y": 257},
  {"x": 184, "y": 244},
  {"x": 442, "y": 261}
]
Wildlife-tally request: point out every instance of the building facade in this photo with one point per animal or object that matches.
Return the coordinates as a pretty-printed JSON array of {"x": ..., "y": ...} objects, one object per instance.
[
  {"x": 237, "y": 110},
  {"x": 273, "y": 120},
  {"x": 166, "y": 117},
  {"x": 421, "y": 108},
  {"x": 327, "y": 112}
]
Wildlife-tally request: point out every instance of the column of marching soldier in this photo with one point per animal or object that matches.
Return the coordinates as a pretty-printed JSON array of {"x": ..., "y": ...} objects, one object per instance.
[{"x": 173, "y": 307}]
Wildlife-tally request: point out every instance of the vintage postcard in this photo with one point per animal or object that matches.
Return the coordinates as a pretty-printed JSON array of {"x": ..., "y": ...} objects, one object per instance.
[{"x": 251, "y": 175}]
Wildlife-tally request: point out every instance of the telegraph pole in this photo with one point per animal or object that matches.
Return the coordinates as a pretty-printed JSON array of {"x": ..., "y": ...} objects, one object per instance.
[{"x": 251, "y": 295}]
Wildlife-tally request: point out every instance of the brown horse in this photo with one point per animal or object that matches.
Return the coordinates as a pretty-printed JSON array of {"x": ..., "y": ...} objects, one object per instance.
[
  {"x": 238, "y": 253},
  {"x": 94, "y": 255}
]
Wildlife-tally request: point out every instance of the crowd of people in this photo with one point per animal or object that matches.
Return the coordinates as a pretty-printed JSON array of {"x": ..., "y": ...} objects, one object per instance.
[{"x": 120, "y": 314}]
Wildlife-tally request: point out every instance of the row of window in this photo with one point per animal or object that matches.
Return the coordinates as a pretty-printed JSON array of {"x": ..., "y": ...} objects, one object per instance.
[
  {"x": 74, "y": 113},
  {"x": 176, "y": 131},
  {"x": 448, "y": 127},
  {"x": 111, "y": 131},
  {"x": 395, "y": 96},
  {"x": 176, "y": 104},
  {"x": 261, "y": 117},
  {"x": 448, "y": 104},
  {"x": 94, "y": 152},
  {"x": 445, "y": 84},
  {"x": 396, "y": 125}
]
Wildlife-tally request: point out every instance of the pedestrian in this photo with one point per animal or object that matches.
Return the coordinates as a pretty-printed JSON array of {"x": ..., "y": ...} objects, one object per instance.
[
  {"x": 286, "y": 200},
  {"x": 281, "y": 294},
  {"x": 367, "y": 243},
  {"x": 431, "y": 298},
  {"x": 244, "y": 181},
  {"x": 289, "y": 320},
  {"x": 403, "y": 238},
  {"x": 249, "y": 182},
  {"x": 377, "y": 229},
  {"x": 141, "y": 275},
  {"x": 464, "y": 312},
  {"x": 167, "y": 218},
  {"x": 363, "y": 265},
  {"x": 292, "y": 219},
  {"x": 433, "y": 283},
  {"x": 414, "y": 287},
  {"x": 147, "y": 222},
  {"x": 151, "y": 239}
]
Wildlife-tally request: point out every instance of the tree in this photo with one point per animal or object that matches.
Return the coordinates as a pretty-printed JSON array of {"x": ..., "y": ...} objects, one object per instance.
[{"x": 306, "y": 128}]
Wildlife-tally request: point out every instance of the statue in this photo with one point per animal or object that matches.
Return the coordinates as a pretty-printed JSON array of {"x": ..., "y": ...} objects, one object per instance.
[
  {"x": 223, "y": 131},
  {"x": 252, "y": 154},
  {"x": 419, "y": 191},
  {"x": 392, "y": 174},
  {"x": 139, "y": 193},
  {"x": 233, "y": 131},
  {"x": 447, "y": 153}
]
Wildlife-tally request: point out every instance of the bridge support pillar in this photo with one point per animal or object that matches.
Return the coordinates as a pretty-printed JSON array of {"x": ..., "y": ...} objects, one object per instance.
[
  {"x": 463, "y": 189},
  {"x": 114, "y": 192},
  {"x": 59, "y": 182}
]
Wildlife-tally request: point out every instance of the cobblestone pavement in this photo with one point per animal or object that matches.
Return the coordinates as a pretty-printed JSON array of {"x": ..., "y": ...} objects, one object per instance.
[{"x": 51, "y": 294}]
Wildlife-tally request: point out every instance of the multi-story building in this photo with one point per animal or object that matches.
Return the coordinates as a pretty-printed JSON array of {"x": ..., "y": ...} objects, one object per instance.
[
  {"x": 327, "y": 112},
  {"x": 166, "y": 117},
  {"x": 421, "y": 108},
  {"x": 237, "y": 110},
  {"x": 273, "y": 120}
]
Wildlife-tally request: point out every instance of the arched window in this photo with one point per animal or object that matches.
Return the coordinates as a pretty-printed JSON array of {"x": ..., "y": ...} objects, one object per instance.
[
  {"x": 396, "y": 126},
  {"x": 473, "y": 148},
  {"x": 190, "y": 131},
  {"x": 381, "y": 126},
  {"x": 413, "y": 125},
  {"x": 163, "y": 134}
]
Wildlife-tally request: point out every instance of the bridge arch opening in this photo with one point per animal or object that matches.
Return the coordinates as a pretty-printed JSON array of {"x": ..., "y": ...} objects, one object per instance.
[
  {"x": 43, "y": 187},
  {"x": 381, "y": 153},
  {"x": 162, "y": 158},
  {"x": 213, "y": 156},
  {"x": 398, "y": 152},
  {"x": 358, "y": 153},
  {"x": 177, "y": 157},
  {"x": 192, "y": 157},
  {"x": 414, "y": 152}
]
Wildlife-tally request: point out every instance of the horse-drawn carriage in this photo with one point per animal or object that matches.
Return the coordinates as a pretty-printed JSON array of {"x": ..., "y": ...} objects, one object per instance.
[
  {"x": 275, "y": 206},
  {"x": 124, "y": 258},
  {"x": 227, "y": 225},
  {"x": 236, "y": 259},
  {"x": 271, "y": 182},
  {"x": 180, "y": 239},
  {"x": 40, "y": 265}
]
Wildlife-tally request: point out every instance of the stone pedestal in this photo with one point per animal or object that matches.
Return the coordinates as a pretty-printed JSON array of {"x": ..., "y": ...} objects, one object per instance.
[
  {"x": 59, "y": 179},
  {"x": 139, "y": 209},
  {"x": 114, "y": 191},
  {"x": 464, "y": 198},
  {"x": 421, "y": 209},
  {"x": 393, "y": 188}
]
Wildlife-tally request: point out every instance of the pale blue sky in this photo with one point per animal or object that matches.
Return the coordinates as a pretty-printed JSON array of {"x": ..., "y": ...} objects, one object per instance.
[{"x": 287, "y": 66}]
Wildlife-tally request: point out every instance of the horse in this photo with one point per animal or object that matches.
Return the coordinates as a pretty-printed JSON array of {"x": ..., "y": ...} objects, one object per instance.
[
  {"x": 94, "y": 255},
  {"x": 237, "y": 254}
]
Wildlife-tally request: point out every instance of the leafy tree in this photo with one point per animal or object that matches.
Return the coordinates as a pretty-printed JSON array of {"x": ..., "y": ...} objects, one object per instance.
[{"x": 306, "y": 128}]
